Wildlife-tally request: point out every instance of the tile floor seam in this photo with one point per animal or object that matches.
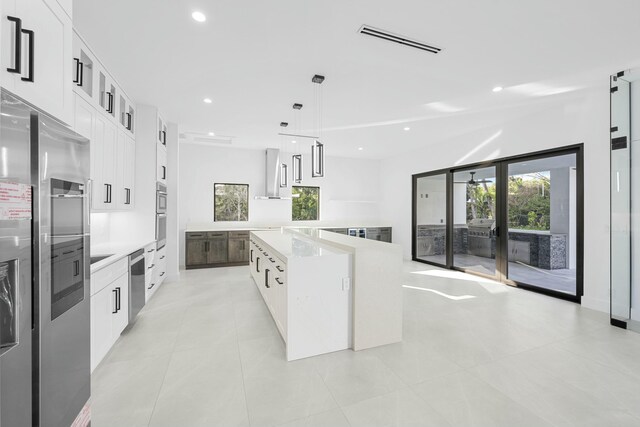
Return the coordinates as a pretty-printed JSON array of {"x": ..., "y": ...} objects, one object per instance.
[
  {"x": 171, "y": 353},
  {"x": 244, "y": 389}
]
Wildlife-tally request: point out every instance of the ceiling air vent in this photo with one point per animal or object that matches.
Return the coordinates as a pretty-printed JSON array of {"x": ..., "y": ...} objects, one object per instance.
[{"x": 385, "y": 35}]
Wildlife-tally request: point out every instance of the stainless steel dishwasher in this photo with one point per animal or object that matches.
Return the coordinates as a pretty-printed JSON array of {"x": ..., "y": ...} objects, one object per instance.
[{"x": 136, "y": 284}]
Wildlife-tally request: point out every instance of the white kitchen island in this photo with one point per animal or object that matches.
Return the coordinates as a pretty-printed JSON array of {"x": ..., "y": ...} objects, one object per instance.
[
  {"x": 328, "y": 292},
  {"x": 305, "y": 285}
]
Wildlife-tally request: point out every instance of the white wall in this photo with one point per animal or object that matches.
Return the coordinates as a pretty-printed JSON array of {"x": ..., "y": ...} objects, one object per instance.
[
  {"x": 560, "y": 121},
  {"x": 349, "y": 191}
]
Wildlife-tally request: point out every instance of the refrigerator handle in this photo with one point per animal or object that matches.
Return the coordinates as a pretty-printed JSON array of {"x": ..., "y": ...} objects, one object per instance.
[
  {"x": 18, "y": 46},
  {"x": 31, "y": 35}
]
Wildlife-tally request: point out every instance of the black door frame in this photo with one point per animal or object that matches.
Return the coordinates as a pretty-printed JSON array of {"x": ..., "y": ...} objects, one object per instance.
[{"x": 502, "y": 172}]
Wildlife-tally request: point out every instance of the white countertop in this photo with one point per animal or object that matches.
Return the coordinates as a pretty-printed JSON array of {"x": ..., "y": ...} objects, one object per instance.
[
  {"x": 213, "y": 226},
  {"x": 340, "y": 239},
  {"x": 116, "y": 250},
  {"x": 292, "y": 245}
]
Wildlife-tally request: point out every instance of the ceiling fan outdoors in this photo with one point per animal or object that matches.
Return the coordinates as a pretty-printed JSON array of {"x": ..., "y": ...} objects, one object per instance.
[{"x": 473, "y": 181}]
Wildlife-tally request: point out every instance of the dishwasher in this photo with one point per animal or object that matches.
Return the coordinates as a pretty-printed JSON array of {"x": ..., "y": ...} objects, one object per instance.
[{"x": 136, "y": 284}]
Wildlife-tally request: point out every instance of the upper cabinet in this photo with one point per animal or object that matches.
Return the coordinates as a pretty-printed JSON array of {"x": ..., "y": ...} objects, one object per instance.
[
  {"x": 94, "y": 83},
  {"x": 35, "y": 54}
]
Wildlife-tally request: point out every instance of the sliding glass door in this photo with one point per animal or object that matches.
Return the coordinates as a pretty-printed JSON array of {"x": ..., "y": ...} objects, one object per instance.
[
  {"x": 542, "y": 221},
  {"x": 474, "y": 220},
  {"x": 536, "y": 199},
  {"x": 430, "y": 221}
]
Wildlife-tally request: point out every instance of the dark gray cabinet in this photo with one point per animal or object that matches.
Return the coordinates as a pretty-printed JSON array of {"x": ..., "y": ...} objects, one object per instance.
[
  {"x": 381, "y": 234},
  {"x": 196, "y": 254},
  {"x": 238, "y": 247},
  {"x": 216, "y": 249}
]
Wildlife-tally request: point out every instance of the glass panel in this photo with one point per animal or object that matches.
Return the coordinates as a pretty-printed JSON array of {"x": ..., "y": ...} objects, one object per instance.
[
  {"x": 542, "y": 220},
  {"x": 431, "y": 218},
  {"x": 474, "y": 220},
  {"x": 305, "y": 205},
  {"x": 620, "y": 201},
  {"x": 231, "y": 202}
]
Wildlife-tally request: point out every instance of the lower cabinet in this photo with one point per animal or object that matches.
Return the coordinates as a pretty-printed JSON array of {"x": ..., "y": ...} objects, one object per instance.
[
  {"x": 109, "y": 315},
  {"x": 381, "y": 234},
  {"x": 216, "y": 249}
]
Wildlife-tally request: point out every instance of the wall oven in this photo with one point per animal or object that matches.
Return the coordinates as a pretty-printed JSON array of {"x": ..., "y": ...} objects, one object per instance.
[
  {"x": 161, "y": 230},
  {"x": 161, "y": 198}
]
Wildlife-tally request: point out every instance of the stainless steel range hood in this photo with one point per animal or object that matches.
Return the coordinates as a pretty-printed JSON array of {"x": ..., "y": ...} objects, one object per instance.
[{"x": 272, "y": 176}]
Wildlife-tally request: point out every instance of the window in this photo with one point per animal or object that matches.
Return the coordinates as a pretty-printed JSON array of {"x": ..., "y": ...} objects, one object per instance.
[
  {"x": 306, "y": 203},
  {"x": 230, "y": 202}
]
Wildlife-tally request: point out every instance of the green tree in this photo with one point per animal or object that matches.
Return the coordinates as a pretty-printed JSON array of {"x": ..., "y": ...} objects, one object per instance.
[
  {"x": 306, "y": 203},
  {"x": 231, "y": 202}
]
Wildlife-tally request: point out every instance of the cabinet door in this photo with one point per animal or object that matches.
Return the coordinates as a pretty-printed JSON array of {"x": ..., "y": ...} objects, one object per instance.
[
  {"x": 120, "y": 194},
  {"x": 217, "y": 251},
  {"x": 130, "y": 170},
  {"x": 99, "y": 190},
  {"x": 238, "y": 250},
  {"x": 121, "y": 297},
  {"x": 161, "y": 174},
  {"x": 7, "y": 44},
  {"x": 84, "y": 118},
  {"x": 46, "y": 81},
  {"x": 102, "y": 306},
  {"x": 196, "y": 252},
  {"x": 109, "y": 175}
]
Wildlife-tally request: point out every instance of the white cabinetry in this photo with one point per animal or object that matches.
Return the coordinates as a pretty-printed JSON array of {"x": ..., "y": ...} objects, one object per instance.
[
  {"x": 303, "y": 286},
  {"x": 161, "y": 163},
  {"x": 125, "y": 158},
  {"x": 36, "y": 52},
  {"x": 109, "y": 308}
]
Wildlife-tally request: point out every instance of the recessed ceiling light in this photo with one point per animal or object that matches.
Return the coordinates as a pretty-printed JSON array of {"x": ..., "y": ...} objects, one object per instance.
[
  {"x": 212, "y": 134},
  {"x": 294, "y": 141},
  {"x": 498, "y": 89},
  {"x": 207, "y": 100},
  {"x": 407, "y": 128},
  {"x": 360, "y": 148},
  {"x": 198, "y": 16}
]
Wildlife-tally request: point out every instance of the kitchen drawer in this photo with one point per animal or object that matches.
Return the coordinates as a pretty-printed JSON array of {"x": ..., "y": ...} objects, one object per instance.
[
  {"x": 238, "y": 234},
  {"x": 103, "y": 277},
  {"x": 217, "y": 235},
  {"x": 196, "y": 235}
]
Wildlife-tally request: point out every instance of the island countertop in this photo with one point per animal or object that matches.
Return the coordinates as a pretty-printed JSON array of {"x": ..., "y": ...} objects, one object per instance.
[{"x": 293, "y": 245}]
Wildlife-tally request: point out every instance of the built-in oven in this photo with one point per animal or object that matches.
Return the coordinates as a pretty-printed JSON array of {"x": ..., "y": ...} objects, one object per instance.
[
  {"x": 161, "y": 198},
  {"x": 67, "y": 245},
  {"x": 161, "y": 230}
]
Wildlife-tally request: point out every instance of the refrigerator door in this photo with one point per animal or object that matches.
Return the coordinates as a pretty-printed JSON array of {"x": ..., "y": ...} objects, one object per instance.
[
  {"x": 62, "y": 165},
  {"x": 15, "y": 264}
]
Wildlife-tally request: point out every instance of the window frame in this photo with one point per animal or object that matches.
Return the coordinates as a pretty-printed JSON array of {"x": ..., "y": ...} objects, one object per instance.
[
  {"x": 293, "y": 201},
  {"x": 214, "y": 202}
]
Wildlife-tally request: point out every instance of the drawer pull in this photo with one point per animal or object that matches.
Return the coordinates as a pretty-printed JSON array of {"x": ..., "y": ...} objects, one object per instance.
[
  {"x": 279, "y": 282},
  {"x": 162, "y": 257},
  {"x": 272, "y": 260},
  {"x": 279, "y": 269},
  {"x": 151, "y": 266}
]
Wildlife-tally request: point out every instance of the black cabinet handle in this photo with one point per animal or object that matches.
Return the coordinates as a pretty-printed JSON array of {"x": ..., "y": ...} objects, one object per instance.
[
  {"x": 151, "y": 266},
  {"x": 128, "y": 121},
  {"x": 258, "y": 264},
  {"x": 119, "y": 295},
  {"x": 164, "y": 172},
  {"x": 164, "y": 137},
  {"x": 162, "y": 257},
  {"x": 127, "y": 196},
  {"x": 116, "y": 301},
  {"x": 81, "y": 74},
  {"x": 109, "y": 102},
  {"x": 31, "y": 35},
  {"x": 251, "y": 255},
  {"x": 279, "y": 282},
  {"x": 77, "y": 79},
  {"x": 76, "y": 266},
  {"x": 279, "y": 269},
  {"x": 272, "y": 260},
  {"x": 150, "y": 250},
  {"x": 106, "y": 196},
  {"x": 162, "y": 274},
  {"x": 151, "y": 286},
  {"x": 266, "y": 278},
  {"x": 17, "y": 68}
]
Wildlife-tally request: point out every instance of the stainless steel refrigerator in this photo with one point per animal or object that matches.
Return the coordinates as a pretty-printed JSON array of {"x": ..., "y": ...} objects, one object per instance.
[{"x": 45, "y": 346}]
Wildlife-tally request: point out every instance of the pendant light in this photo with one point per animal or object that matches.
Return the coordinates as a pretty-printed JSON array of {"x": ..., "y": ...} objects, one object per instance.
[
  {"x": 284, "y": 176},
  {"x": 296, "y": 159},
  {"x": 317, "y": 149}
]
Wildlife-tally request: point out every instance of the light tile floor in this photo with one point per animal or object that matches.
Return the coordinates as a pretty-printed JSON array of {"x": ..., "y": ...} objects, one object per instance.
[{"x": 205, "y": 352}]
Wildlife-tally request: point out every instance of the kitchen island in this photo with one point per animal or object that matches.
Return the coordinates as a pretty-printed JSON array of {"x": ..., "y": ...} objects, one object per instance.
[{"x": 327, "y": 291}]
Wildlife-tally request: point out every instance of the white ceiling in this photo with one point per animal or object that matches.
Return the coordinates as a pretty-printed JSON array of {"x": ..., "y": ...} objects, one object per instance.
[{"x": 256, "y": 58}]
